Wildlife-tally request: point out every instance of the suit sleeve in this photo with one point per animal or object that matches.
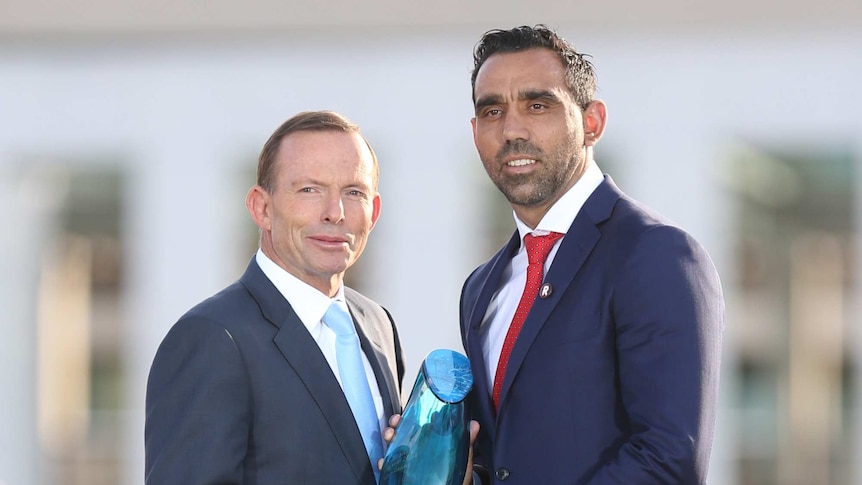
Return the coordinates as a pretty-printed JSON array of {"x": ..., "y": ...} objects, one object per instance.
[
  {"x": 669, "y": 315},
  {"x": 198, "y": 408}
]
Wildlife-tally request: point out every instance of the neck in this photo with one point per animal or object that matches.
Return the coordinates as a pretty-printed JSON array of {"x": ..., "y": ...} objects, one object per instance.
[
  {"x": 326, "y": 284},
  {"x": 531, "y": 215}
]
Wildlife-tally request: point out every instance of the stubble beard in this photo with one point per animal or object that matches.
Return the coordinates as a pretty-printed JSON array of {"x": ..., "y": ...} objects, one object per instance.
[{"x": 534, "y": 189}]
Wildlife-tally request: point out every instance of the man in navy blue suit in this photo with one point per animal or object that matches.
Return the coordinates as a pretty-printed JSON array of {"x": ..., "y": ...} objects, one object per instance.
[
  {"x": 605, "y": 370},
  {"x": 251, "y": 387}
]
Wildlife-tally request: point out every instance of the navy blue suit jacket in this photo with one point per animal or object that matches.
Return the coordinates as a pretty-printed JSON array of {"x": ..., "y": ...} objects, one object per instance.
[
  {"x": 240, "y": 393},
  {"x": 614, "y": 376}
]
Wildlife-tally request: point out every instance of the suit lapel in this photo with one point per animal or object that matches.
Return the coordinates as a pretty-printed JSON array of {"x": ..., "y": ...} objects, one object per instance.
[
  {"x": 492, "y": 281},
  {"x": 488, "y": 287},
  {"x": 575, "y": 248},
  {"x": 304, "y": 357},
  {"x": 371, "y": 340}
]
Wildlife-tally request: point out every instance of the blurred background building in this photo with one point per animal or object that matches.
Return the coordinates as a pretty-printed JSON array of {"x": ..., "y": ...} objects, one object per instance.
[{"x": 129, "y": 133}]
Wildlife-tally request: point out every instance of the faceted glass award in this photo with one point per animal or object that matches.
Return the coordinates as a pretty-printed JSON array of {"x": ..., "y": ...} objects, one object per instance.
[{"x": 431, "y": 443}]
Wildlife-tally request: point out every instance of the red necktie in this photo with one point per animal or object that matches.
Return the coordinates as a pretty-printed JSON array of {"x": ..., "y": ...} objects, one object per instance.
[{"x": 538, "y": 248}]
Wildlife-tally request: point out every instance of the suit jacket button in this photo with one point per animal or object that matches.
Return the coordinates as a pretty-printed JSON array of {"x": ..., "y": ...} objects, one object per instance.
[{"x": 502, "y": 474}]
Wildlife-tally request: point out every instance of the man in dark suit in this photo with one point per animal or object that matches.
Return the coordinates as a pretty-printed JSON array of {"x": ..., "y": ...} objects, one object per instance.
[
  {"x": 605, "y": 369},
  {"x": 252, "y": 386}
]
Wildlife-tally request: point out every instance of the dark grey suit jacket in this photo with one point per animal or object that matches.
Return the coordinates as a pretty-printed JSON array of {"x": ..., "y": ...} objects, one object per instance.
[{"x": 239, "y": 393}]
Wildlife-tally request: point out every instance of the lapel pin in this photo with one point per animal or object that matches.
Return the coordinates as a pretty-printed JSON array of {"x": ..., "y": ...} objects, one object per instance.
[{"x": 546, "y": 290}]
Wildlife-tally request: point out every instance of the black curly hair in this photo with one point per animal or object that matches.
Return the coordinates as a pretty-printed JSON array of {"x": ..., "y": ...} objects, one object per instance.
[{"x": 580, "y": 74}]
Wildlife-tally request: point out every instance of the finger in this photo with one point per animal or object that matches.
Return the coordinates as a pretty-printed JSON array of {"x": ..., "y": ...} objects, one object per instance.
[
  {"x": 394, "y": 420},
  {"x": 474, "y": 431},
  {"x": 388, "y": 434}
]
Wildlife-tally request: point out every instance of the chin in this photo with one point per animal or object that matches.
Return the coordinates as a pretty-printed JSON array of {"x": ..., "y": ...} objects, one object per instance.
[{"x": 336, "y": 267}]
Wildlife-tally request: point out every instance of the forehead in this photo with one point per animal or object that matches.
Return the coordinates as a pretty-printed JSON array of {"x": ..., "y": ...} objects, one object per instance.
[
  {"x": 503, "y": 72},
  {"x": 325, "y": 154}
]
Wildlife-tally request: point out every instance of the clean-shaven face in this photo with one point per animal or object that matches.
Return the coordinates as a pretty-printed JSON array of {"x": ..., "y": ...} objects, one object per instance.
[{"x": 323, "y": 206}]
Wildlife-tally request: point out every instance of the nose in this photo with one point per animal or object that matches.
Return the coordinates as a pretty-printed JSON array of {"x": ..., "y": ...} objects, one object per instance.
[
  {"x": 515, "y": 127},
  {"x": 333, "y": 210}
]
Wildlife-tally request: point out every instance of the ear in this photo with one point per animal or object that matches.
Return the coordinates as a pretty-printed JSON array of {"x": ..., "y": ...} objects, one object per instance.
[
  {"x": 473, "y": 123},
  {"x": 595, "y": 119},
  {"x": 258, "y": 204},
  {"x": 375, "y": 210}
]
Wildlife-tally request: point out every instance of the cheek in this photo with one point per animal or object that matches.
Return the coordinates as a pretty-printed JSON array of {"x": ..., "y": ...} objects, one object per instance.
[
  {"x": 574, "y": 129},
  {"x": 291, "y": 217},
  {"x": 483, "y": 134},
  {"x": 563, "y": 139},
  {"x": 486, "y": 147},
  {"x": 361, "y": 216}
]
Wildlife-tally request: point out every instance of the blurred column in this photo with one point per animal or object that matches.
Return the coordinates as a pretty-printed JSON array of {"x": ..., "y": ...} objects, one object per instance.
[
  {"x": 815, "y": 359},
  {"x": 854, "y": 454},
  {"x": 28, "y": 203},
  {"x": 63, "y": 353}
]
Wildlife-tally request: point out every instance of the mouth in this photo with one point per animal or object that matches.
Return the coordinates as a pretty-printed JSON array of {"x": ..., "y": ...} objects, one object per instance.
[
  {"x": 331, "y": 241},
  {"x": 520, "y": 162}
]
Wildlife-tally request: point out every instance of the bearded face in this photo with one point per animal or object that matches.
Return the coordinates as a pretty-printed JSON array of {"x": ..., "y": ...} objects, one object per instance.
[{"x": 528, "y": 128}]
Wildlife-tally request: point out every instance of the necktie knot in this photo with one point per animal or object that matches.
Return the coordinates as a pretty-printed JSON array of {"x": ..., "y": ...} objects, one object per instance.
[
  {"x": 339, "y": 320},
  {"x": 538, "y": 247}
]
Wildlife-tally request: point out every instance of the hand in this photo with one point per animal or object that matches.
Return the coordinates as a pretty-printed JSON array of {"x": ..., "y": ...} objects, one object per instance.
[{"x": 389, "y": 433}]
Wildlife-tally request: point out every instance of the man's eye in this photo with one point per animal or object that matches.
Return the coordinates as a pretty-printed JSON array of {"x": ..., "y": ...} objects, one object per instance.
[{"x": 537, "y": 106}]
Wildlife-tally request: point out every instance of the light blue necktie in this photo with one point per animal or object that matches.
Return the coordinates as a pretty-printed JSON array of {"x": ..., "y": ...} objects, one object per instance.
[{"x": 354, "y": 382}]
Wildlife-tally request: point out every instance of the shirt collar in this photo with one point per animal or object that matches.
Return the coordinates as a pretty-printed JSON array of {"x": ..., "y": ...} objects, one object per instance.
[{"x": 308, "y": 302}]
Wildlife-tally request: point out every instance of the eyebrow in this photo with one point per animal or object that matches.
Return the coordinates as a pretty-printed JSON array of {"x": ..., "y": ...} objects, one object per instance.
[
  {"x": 534, "y": 94},
  {"x": 488, "y": 100},
  {"x": 306, "y": 181},
  {"x": 525, "y": 95}
]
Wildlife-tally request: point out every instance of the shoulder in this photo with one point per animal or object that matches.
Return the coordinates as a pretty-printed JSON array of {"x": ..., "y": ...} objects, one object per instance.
[
  {"x": 366, "y": 306},
  {"x": 215, "y": 321},
  {"x": 619, "y": 215},
  {"x": 651, "y": 251},
  {"x": 222, "y": 306},
  {"x": 358, "y": 298},
  {"x": 640, "y": 226}
]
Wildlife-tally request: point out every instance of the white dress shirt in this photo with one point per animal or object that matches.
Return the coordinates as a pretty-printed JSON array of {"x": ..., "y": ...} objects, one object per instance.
[
  {"x": 504, "y": 302},
  {"x": 310, "y": 305}
]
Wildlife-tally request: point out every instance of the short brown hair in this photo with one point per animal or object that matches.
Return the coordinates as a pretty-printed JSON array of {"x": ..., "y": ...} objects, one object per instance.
[{"x": 305, "y": 121}]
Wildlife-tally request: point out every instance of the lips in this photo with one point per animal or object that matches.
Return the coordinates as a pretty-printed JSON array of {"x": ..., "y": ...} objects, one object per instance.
[
  {"x": 331, "y": 240},
  {"x": 520, "y": 162}
]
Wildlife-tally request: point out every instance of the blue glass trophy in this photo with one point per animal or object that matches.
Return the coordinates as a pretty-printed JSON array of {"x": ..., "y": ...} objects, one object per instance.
[{"x": 431, "y": 443}]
